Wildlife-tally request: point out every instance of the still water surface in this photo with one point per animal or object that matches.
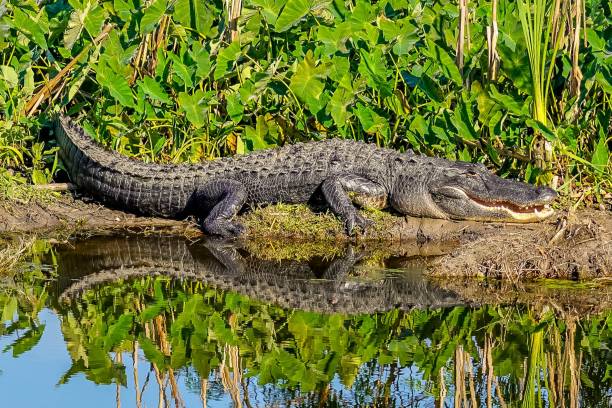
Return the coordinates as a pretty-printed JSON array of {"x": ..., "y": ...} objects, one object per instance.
[{"x": 159, "y": 321}]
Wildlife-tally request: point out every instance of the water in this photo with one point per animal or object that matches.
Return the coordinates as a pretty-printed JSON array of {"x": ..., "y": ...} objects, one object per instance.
[{"x": 159, "y": 321}]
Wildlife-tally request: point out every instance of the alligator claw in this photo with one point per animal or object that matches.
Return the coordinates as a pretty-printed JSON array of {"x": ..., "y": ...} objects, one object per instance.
[{"x": 357, "y": 220}]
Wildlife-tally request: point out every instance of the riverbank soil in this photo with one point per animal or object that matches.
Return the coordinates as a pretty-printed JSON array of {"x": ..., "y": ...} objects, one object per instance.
[{"x": 570, "y": 245}]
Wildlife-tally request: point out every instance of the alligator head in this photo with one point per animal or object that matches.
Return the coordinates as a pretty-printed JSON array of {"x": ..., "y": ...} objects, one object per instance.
[{"x": 457, "y": 190}]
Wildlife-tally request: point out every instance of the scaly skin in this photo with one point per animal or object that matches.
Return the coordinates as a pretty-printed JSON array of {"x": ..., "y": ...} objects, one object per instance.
[
  {"x": 340, "y": 172},
  {"x": 289, "y": 284}
]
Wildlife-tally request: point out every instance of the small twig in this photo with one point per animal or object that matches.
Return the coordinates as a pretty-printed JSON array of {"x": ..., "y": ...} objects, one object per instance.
[
  {"x": 55, "y": 187},
  {"x": 48, "y": 88}
]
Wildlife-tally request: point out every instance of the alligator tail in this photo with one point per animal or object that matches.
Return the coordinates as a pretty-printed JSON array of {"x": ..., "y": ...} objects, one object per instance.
[{"x": 115, "y": 179}]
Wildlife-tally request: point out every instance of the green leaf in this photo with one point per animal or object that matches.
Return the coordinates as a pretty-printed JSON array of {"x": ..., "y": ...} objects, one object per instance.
[
  {"x": 26, "y": 341},
  {"x": 292, "y": 13},
  {"x": 116, "y": 84},
  {"x": 123, "y": 9},
  {"x": 514, "y": 105},
  {"x": 463, "y": 121},
  {"x": 445, "y": 62},
  {"x": 9, "y": 76},
  {"x": 9, "y": 309},
  {"x": 373, "y": 67},
  {"x": 193, "y": 107},
  {"x": 151, "y": 351},
  {"x": 118, "y": 331},
  {"x": 307, "y": 81},
  {"x": 544, "y": 130},
  {"x": 371, "y": 121},
  {"x": 94, "y": 21},
  {"x": 152, "y": 15},
  {"x": 235, "y": 109},
  {"x": 226, "y": 58},
  {"x": 154, "y": 90},
  {"x": 182, "y": 70},
  {"x": 195, "y": 15},
  {"x": 269, "y": 9},
  {"x": 73, "y": 29},
  {"x": 29, "y": 28},
  {"x": 601, "y": 156},
  {"x": 338, "y": 105}
]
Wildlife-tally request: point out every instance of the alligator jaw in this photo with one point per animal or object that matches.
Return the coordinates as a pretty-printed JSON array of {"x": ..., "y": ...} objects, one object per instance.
[{"x": 515, "y": 212}]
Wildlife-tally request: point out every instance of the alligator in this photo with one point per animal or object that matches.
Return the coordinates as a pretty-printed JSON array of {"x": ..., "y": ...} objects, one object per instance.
[
  {"x": 341, "y": 173},
  {"x": 317, "y": 285}
]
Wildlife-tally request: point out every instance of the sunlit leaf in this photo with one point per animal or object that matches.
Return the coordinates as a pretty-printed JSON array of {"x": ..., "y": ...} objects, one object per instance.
[
  {"x": 292, "y": 13},
  {"x": 154, "y": 90},
  {"x": 601, "y": 156},
  {"x": 152, "y": 15},
  {"x": 226, "y": 58}
]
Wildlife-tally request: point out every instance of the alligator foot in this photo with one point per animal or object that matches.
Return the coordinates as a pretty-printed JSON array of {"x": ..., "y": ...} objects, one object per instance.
[
  {"x": 224, "y": 198},
  {"x": 357, "y": 221},
  {"x": 335, "y": 190}
]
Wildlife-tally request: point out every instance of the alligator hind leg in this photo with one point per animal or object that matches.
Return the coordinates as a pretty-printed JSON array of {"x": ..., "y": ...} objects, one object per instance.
[
  {"x": 222, "y": 199},
  {"x": 336, "y": 191}
]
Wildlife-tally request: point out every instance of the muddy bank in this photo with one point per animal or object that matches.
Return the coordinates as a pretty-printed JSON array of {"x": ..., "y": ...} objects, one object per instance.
[{"x": 576, "y": 245}]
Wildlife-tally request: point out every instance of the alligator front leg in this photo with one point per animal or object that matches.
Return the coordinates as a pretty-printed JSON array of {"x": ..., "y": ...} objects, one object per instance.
[
  {"x": 336, "y": 191},
  {"x": 223, "y": 198}
]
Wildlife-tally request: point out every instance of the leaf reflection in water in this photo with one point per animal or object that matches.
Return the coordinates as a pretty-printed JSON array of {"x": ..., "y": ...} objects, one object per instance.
[{"x": 165, "y": 320}]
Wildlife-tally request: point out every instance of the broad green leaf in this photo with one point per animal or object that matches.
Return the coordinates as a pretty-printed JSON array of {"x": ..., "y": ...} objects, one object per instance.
[
  {"x": 373, "y": 67},
  {"x": 151, "y": 351},
  {"x": 307, "y": 81},
  {"x": 94, "y": 20},
  {"x": 544, "y": 130},
  {"x": 123, "y": 9},
  {"x": 183, "y": 71},
  {"x": 195, "y": 15},
  {"x": 116, "y": 84},
  {"x": 226, "y": 59},
  {"x": 26, "y": 341},
  {"x": 371, "y": 121},
  {"x": 9, "y": 309},
  {"x": 338, "y": 105},
  {"x": 202, "y": 58},
  {"x": 9, "y": 76},
  {"x": 118, "y": 331},
  {"x": 270, "y": 9},
  {"x": 292, "y": 13},
  {"x": 152, "y": 15},
  {"x": 73, "y": 29},
  {"x": 463, "y": 121},
  {"x": 235, "y": 109},
  {"x": 425, "y": 84},
  {"x": 29, "y": 27},
  {"x": 445, "y": 62},
  {"x": 601, "y": 156},
  {"x": 194, "y": 107},
  {"x": 154, "y": 89},
  {"x": 515, "y": 105}
]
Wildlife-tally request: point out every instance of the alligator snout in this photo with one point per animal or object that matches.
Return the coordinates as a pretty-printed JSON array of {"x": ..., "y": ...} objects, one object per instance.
[{"x": 546, "y": 194}]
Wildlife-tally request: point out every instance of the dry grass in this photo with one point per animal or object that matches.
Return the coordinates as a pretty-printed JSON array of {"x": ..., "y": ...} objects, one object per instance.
[{"x": 12, "y": 251}]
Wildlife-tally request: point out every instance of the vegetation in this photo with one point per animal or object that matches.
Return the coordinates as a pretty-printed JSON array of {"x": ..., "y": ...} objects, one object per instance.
[
  {"x": 504, "y": 356},
  {"x": 522, "y": 86}
]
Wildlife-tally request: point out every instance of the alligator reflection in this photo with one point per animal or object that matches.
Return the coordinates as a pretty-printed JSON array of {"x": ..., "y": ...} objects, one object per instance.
[
  {"x": 217, "y": 326},
  {"x": 317, "y": 284}
]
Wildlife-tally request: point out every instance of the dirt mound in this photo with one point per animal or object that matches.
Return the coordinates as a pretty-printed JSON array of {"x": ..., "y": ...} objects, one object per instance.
[{"x": 575, "y": 246}]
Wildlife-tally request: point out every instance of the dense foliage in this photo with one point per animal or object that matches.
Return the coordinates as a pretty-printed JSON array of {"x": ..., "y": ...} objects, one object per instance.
[{"x": 187, "y": 80}]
